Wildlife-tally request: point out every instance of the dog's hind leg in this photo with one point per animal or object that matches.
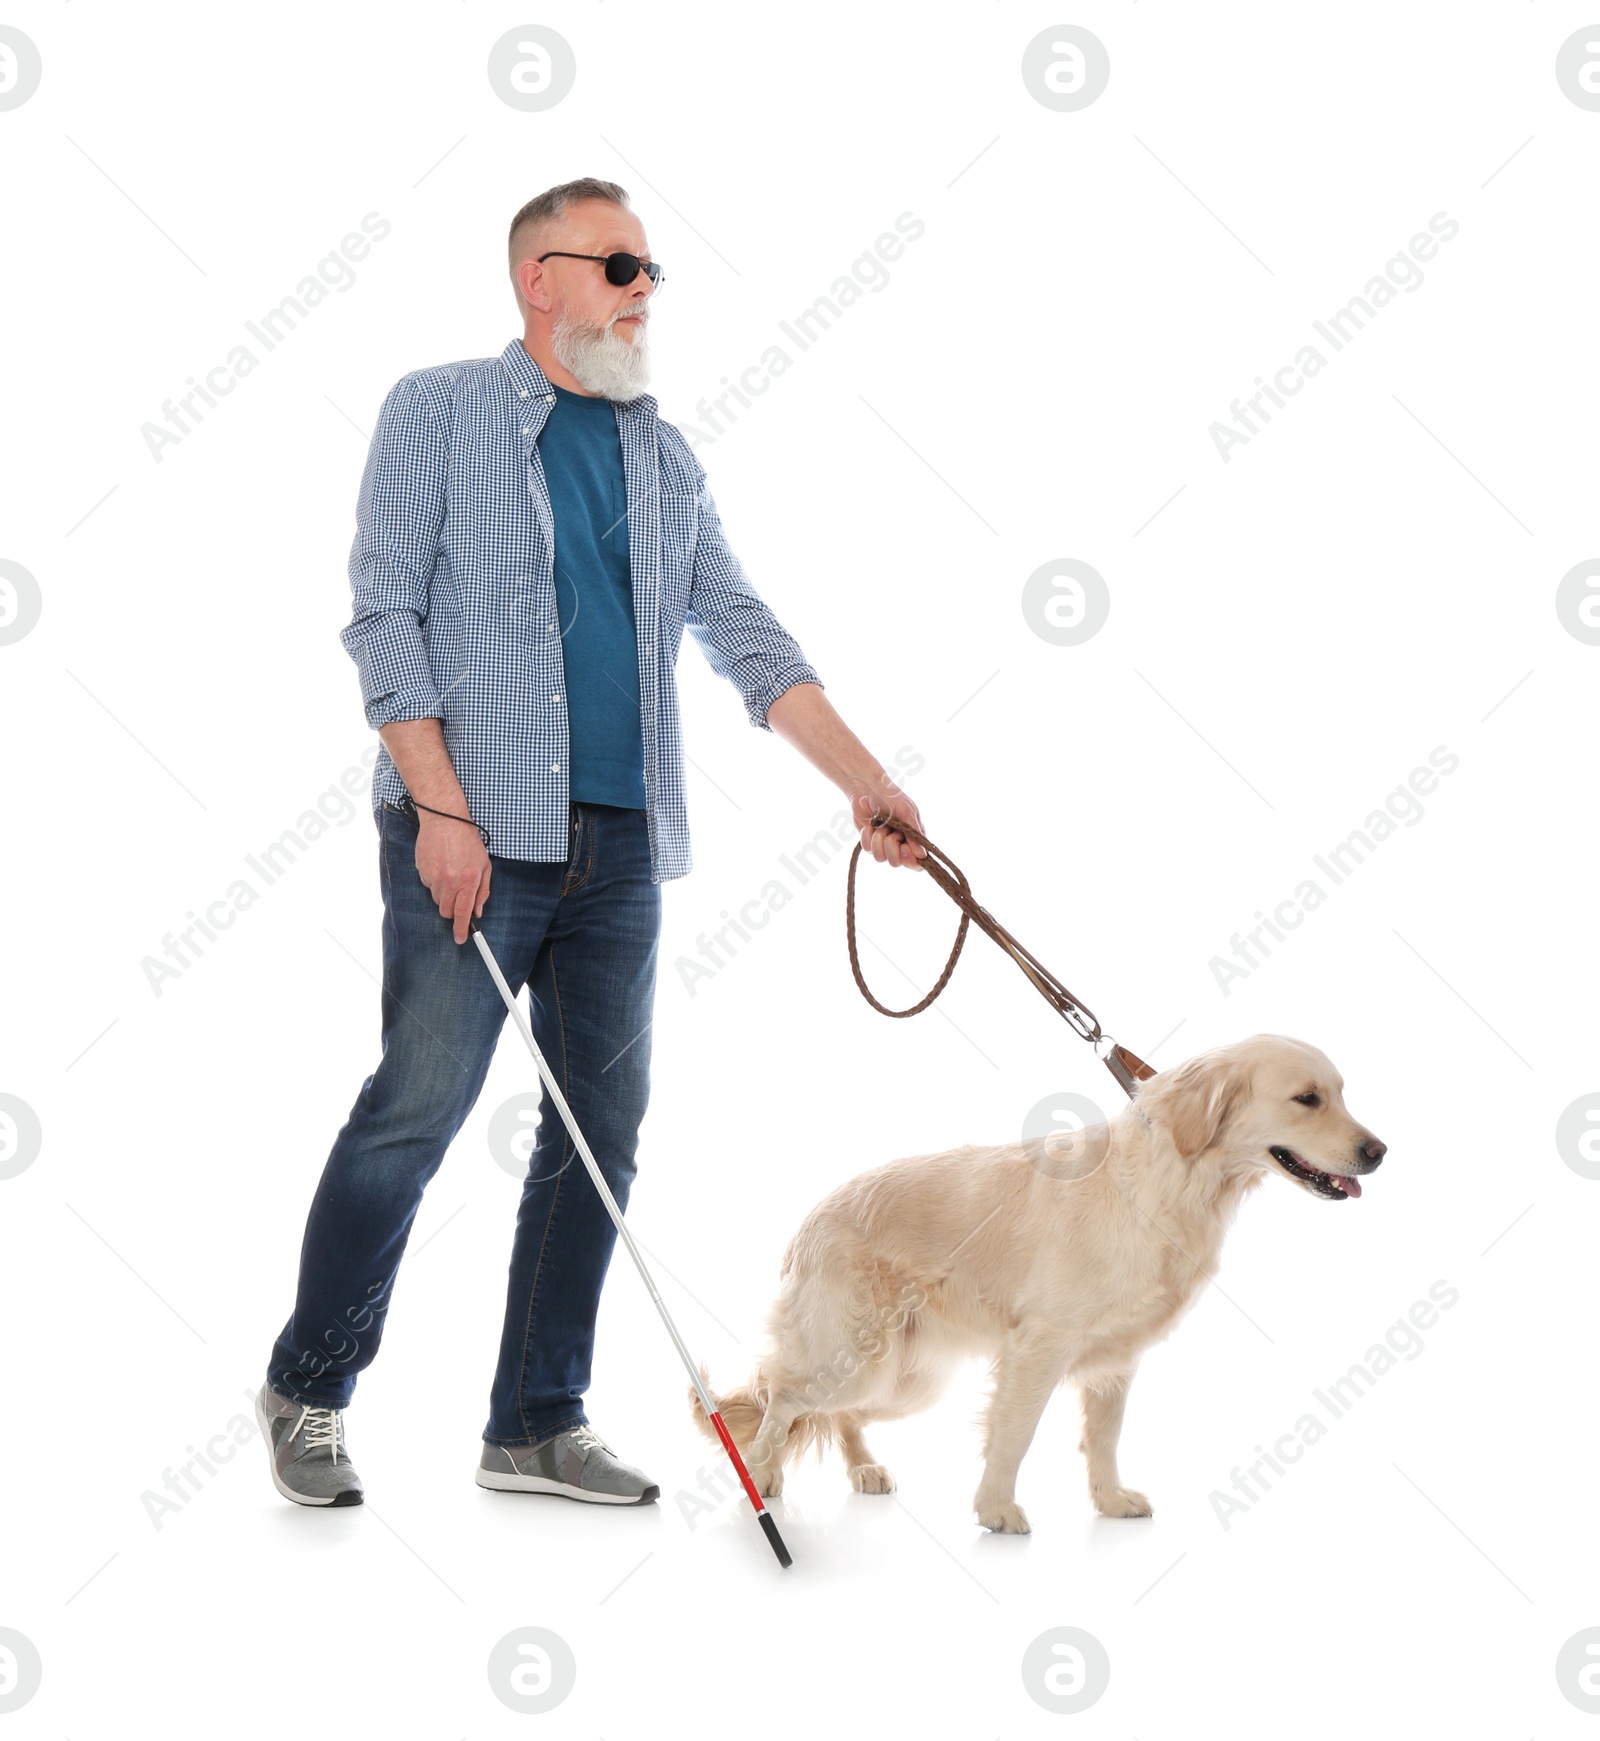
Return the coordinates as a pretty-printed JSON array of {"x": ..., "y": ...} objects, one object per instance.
[
  {"x": 1103, "y": 1403},
  {"x": 867, "y": 1475},
  {"x": 765, "y": 1458},
  {"x": 910, "y": 1390}
]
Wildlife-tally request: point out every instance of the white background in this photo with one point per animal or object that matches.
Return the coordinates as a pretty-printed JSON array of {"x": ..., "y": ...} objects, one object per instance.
[{"x": 1290, "y": 633}]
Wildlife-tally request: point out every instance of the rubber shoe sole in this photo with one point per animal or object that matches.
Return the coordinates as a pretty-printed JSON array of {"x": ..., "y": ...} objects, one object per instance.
[
  {"x": 264, "y": 1421},
  {"x": 496, "y": 1482}
]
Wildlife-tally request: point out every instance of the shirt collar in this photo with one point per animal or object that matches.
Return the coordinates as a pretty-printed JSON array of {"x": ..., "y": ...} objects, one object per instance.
[{"x": 527, "y": 377}]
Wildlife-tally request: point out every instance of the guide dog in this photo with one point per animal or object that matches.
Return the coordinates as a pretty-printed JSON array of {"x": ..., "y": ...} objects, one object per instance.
[{"x": 1061, "y": 1257}]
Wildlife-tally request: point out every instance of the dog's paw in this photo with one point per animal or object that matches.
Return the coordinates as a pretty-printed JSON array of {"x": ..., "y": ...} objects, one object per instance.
[
  {"x": 871, "y": 1478},
  {"x": 1122, "y": 1502},
  {"x": 1006, "y": 1518},
  {"x": 768, "y": 1483}
]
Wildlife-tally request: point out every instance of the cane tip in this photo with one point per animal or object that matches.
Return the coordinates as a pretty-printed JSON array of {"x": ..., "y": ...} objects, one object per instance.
[{"x": 770, "y": 1529}]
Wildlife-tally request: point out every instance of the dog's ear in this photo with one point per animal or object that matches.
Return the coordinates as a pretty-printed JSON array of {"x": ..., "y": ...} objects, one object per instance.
[{"x": 1195, "y": 1101}]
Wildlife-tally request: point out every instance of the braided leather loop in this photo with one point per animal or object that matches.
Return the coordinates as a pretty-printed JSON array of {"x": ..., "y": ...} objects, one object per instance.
[{"x": 954, "y": 884}]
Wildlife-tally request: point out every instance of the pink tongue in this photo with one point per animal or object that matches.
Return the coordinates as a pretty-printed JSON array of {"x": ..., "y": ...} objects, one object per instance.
[{"x": 1350, "y": 1187}]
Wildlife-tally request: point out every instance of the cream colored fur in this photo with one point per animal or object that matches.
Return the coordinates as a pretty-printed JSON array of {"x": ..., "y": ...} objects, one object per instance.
[{"x": 1058, "y": 1258}]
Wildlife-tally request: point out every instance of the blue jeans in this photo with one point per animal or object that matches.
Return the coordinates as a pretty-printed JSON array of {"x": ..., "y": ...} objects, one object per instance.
[{"x": 583, "y": 936}]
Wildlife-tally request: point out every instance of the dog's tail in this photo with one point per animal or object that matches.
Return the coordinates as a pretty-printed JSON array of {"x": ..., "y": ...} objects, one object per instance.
[{"x": 743, "y": 1410}]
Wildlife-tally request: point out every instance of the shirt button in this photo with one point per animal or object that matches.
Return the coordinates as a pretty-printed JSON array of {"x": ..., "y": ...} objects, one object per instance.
[
  {"x": 524, "y": 429},
  {"x": 549, "y": 398},
  {"x": 524, "y": 393},
  {"x": 555, "y": 767}
]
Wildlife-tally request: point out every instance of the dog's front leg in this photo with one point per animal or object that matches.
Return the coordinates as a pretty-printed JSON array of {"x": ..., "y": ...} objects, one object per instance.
[
  {"x": 1028, "y": 1370},
  {"x": 1103, "y": 1404}
]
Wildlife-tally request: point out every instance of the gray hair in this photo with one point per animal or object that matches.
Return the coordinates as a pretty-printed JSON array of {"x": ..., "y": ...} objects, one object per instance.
[{"x": 546, "y": 207}]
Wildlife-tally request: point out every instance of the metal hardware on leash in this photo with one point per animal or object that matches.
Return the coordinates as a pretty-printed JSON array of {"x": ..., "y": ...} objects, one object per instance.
[
  {"x": 1126, "y": 1066},
  {"x": 1113, "y": 1059},
  {"x": 552, "y": 1088}
]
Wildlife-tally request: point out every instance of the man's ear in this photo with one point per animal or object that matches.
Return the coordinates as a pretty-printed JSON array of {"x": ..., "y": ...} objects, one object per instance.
[{"x": 1194, "y": 1102}]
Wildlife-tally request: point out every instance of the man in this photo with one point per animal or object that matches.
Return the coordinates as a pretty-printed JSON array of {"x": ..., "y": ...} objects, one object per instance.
[{"x": 532, "y": 540}]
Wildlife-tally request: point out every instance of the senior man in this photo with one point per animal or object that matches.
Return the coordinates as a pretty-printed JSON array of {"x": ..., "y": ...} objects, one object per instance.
[{"x": 531, "y": 541}]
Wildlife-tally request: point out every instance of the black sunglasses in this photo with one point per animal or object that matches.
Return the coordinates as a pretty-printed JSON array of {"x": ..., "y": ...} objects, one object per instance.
[{"x": 620, "y": 268}]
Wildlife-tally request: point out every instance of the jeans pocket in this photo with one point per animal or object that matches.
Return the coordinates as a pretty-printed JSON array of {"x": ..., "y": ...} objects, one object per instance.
[{"x": 391, "y": 817}]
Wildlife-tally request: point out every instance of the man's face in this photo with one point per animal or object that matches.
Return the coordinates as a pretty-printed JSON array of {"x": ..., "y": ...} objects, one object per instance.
[
  {"x": 599, "y": 330},
  {"x": 580, "y": 288}
]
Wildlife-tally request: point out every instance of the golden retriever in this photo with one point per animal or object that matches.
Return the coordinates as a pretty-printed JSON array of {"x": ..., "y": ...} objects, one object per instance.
[{"x": 1060, "y": 1257}]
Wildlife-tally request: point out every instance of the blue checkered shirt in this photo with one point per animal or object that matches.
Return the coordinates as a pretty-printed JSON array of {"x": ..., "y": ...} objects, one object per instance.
[{"x": 453, "y": 578}]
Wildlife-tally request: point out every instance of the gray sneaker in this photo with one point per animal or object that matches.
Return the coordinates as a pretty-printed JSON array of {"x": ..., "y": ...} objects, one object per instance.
[
  {"x": 577, "y": 1463},
  {"x": 310, "y": 1461}
]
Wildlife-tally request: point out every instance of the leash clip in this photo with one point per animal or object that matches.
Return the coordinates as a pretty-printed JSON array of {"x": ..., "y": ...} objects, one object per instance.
[{"x": 1111, "y": 1057}]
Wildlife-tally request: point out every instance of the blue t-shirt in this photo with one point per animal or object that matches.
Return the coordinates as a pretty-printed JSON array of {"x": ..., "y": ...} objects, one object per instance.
[{"x": 582, "y": 454}]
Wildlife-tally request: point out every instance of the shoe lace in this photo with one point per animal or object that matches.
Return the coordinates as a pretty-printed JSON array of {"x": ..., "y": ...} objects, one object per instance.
[
  {"x": 323, "y": 1429},
  {"x": 586, "y": 1435}
]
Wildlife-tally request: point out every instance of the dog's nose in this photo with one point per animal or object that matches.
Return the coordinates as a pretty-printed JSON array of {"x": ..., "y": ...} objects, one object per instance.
[{"x": 1373, "y": 1151}]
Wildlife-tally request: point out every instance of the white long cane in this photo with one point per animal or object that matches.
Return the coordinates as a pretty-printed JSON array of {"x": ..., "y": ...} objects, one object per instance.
[{"x": 764, "y": 1516}]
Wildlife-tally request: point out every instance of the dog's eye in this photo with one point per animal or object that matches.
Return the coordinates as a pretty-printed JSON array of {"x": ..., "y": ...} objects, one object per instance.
[{"x": 1308, "y": 1099}]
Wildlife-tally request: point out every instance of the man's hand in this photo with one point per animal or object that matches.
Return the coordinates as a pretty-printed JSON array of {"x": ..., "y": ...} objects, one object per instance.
[
  {"x": 452, "y": 862},
  {"x": 451, "y": 857},
  {"x": 886, "y": 844}
]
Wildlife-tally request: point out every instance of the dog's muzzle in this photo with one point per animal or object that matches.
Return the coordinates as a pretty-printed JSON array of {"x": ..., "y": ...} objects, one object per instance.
[{"x": 1336, "y": 1187}]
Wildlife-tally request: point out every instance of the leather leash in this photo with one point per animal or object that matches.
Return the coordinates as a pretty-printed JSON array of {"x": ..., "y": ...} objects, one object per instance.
[{"x": 1126, "y": 1066}]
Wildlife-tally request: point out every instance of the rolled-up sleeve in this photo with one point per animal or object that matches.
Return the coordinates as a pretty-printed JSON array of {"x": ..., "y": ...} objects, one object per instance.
[
  {"x": 399, "y": 515},
  {"x": 740, "y": 637}
]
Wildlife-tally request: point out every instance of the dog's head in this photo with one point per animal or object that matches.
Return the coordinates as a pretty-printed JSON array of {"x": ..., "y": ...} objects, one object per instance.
[{"x": 1266, "y": 1104}]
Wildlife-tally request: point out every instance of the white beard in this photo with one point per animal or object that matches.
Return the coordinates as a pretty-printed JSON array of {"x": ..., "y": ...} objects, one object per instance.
[{"x": 600, "y": 359}]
